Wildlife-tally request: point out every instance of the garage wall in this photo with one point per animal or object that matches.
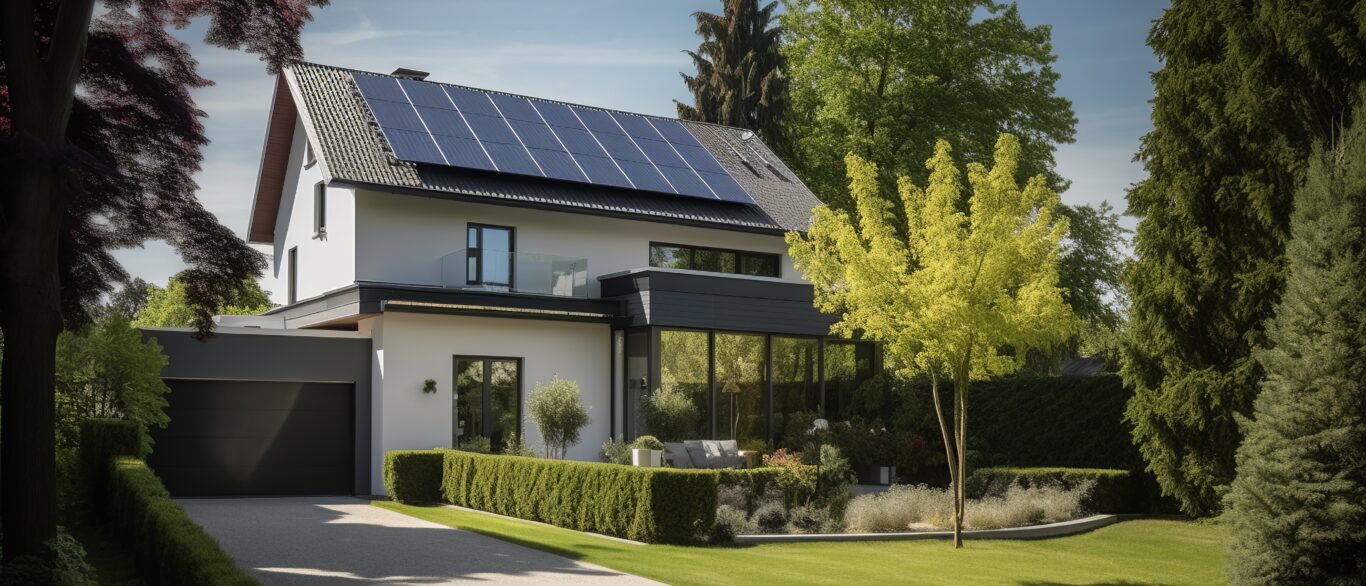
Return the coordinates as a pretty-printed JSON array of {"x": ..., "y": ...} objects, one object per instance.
[
  {"x": 413, "y": 347},
  {"x": 279, "y": 355}
]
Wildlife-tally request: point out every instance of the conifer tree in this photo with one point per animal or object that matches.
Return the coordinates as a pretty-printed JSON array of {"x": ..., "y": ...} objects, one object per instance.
[
  {"x": 1297, "y": 508},
  {"x": 739, "y": 80}
]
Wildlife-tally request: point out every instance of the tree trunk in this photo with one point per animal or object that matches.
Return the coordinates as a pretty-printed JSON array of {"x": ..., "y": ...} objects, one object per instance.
[
  {"x": 960, "y": 413},
  {"x": 31, "y": 317}
]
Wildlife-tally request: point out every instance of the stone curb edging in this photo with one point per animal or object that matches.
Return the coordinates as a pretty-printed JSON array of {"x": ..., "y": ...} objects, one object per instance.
[{"x": 1032, "y": 532}]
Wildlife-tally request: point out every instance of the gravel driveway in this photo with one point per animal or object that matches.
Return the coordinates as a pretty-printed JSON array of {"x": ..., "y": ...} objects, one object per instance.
[{"x": 340, "y": 540}]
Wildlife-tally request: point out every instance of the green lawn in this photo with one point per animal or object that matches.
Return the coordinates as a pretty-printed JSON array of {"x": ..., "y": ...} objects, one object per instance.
[{"x": 1133, "y": 552}]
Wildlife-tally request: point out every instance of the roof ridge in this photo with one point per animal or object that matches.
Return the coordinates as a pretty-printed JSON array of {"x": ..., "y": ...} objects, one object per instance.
[{"x": 553, "y": 101}]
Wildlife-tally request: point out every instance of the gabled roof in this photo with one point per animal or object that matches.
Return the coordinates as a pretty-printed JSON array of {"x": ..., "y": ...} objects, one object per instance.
[{"x": 352, "y": 152}]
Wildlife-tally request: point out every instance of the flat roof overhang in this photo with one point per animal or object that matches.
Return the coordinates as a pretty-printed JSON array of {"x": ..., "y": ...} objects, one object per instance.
[{"x": 345, "y": 306}]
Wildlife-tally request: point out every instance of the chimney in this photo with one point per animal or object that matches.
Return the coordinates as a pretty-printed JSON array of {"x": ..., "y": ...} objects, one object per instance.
[{"x": 406, "y": 73}]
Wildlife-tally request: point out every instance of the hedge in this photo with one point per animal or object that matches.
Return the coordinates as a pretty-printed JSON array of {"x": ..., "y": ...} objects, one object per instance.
[
  {"x": 656, "y": 505},
  {"x": 167, "y": 546},
  {"x": 101, "y": 440},
  {"x": 1115, "y": 491},
  {"x": 413, "y": 476}
]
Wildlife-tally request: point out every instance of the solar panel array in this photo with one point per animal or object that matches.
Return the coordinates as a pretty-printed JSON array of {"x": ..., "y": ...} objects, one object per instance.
[{"x": 438, "y": 124}]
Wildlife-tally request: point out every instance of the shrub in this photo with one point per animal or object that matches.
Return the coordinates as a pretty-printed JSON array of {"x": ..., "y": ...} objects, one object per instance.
[
  {"x": 749, "y": 484},
  {"x": 167, "y": 546},
  {"x": 671, "y": 414},
  {"x": 477, "y": 444},
  {"x": 769, "y": 518},
  {"x": 646, "y": 504},
  {"x": 730, "y": 522},
  {"x": 101, "y": 440},
  {"x": 413, "y": 476},
  {"x": 615, "y": 451},
  {"x": 1021, "y": 506},
  {"x": 1113, "y": 491},
  {"x": 900, "y": 508},
  {"x": 735, "y": 497},
  {"x": 647, "y": 442},
  {"x": 63, "y": 565},
  {"x": 557, "y": 409},
  {"x": 516, "y": 447},
  {"x": 815, "y": 519}
]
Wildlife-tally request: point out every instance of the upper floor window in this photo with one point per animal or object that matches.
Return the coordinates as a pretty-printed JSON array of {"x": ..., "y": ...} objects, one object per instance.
[
  {"x": 713, "y": 260},
  {"x": 320, "y": 209},
  {"x": 292, "y": 282},
  {"x": 490, "y": 255}
]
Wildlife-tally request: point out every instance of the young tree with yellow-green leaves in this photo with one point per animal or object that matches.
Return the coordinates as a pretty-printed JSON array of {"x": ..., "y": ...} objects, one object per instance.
[{"x": 953, "y": 296}]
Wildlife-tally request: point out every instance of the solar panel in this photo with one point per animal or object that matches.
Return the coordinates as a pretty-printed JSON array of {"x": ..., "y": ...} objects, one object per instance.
[{"x": 438, "y": 124}]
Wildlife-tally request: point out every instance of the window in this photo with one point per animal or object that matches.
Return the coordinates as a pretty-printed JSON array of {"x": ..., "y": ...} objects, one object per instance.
[
  {"x": 320, "y": 209},
  {"x": 310, "y": 158},
  {"x": 487, "y": 400},
  {"x": 490, "y": 256},
  {"x": 713, "y": 260},
  {"x": 293, "y": 282}
]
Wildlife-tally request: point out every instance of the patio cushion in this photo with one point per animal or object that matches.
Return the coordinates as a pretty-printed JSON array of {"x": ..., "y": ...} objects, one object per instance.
[
  {"x": 677, "y": 454},
  {"x": 729, "y": 448},
  {"x": 698, "y": 454}
]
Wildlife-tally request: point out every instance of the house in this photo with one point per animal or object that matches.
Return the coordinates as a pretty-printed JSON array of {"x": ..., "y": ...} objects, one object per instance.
[{"x": 437, "y": 251}]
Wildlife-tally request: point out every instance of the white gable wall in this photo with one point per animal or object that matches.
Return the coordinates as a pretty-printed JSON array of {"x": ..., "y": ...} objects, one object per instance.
[
  {"x": 401, "y": 238},
  {"x": 325, "y": 263}
]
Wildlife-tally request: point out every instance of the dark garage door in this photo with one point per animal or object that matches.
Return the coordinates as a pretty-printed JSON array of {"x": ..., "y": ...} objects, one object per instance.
[{"x": 239, "y": 438}]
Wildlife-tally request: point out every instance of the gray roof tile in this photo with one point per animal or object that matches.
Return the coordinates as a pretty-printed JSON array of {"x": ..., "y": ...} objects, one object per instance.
[{"x": 353, "y": 151}]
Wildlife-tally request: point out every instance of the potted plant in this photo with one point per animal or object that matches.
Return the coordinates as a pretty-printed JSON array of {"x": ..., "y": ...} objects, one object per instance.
[{"x": 647, "y": 450}]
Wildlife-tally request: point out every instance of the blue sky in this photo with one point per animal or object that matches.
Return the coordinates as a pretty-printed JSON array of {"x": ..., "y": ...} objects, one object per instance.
[{"x": 626, "y": 55}]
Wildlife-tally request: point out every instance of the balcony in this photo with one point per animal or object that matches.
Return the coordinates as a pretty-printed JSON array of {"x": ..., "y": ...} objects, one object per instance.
[{"x": 515, "y": 272}]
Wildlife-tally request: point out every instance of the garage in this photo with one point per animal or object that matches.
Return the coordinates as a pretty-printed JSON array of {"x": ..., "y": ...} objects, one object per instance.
[{"x": 254, "y": 438}]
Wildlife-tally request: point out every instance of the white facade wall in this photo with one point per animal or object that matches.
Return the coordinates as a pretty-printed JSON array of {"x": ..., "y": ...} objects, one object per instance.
[
  {"x": 412, "y": 347},
  {"x": 325, "y": 262},
  {"x": 401, "y": 238}
]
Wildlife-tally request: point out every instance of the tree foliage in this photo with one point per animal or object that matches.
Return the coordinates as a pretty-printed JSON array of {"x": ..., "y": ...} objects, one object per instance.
[
  {"x": 885, "y": 79},
  {"x": 670, "y": 413},
  {"x": 107, "y": 370},
  {"x": 170, "y": 307},
  {"x": 1297, "y": 507},
  {"x": 1245, "y": 91},
  {"x": 558, "y": 411},
  {"x": 952, "y": 295},
  {"x": 739, "y": 79}
]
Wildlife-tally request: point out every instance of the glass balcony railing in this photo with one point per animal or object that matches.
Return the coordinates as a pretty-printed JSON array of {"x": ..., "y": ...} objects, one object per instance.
[{"x": 517, "y": 272}]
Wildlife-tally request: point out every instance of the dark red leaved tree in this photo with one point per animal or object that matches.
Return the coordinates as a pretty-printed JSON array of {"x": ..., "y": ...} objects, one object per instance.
[{"x": 90, "y": 171}]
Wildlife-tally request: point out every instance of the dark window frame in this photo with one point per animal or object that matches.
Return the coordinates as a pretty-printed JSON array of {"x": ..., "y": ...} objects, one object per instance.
[
  {"x": 739, "y": 255},
  {"x": 292, "y": 277},
  {"x": 476, "y": 252},
  {"x": 319, "y": 209},
  {"x": 486, "y": 398}
]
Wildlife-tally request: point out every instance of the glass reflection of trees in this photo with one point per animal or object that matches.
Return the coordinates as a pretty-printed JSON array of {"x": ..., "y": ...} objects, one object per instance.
[
  {"x": 683, "y": 366},
  {"x": 796, "y": 385},
  {"x": 740, "y": 387}
]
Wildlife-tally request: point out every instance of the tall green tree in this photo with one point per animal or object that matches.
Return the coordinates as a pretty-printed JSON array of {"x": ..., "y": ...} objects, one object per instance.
[
  {"x": 107, "y": 370},
  {"x": 953, "y": 296},
  {"x": 170, "y": 307},
  {"x": 1297, "y": 508},
  {"x": 1245, "y": 91},
  {"x": 739, "y": 79},
  {"x": 885, "y": 79}
]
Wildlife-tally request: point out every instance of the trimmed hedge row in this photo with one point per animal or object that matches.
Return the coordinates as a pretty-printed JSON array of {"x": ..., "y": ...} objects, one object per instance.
[
  {"x": 413, "y": 476},
  {"x": 656, "y": 505},
  {"x": 167, "y": 546},
  {"x": 101, "y": 440},
  {"x": 1115, "y": 491}
]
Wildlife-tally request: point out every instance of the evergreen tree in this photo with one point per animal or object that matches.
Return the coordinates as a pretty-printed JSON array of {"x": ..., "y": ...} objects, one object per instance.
[
  {"x": 740, "y": 80},
  {"x": 1245, "y": 91},
  {"x": 1297, "y": 508}
]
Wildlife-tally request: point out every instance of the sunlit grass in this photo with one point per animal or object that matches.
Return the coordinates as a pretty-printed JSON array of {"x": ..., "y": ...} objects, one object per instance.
[{"x": 1132, "y": 552}]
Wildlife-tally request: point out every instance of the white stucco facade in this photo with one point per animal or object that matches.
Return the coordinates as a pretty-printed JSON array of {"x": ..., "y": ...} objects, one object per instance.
[{"x": 410, "y": 348}]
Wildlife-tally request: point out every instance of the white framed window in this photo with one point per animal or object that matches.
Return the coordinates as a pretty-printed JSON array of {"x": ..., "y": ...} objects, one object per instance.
[{"x": 319, "y": 210}]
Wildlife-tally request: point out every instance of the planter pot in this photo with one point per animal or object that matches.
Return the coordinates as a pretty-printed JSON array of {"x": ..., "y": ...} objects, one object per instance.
[{"x": 646, "y": 457}]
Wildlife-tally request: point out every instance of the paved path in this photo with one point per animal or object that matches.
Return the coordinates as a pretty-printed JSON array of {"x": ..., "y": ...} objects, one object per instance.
[{"x": 341, "y": 540}]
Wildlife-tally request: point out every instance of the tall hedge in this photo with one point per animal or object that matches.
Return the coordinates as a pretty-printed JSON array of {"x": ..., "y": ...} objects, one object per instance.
[
  {"x": 657, "y": 505},
  {"x": 167, "y": 546},
  {"x": 101, "y": 440}
]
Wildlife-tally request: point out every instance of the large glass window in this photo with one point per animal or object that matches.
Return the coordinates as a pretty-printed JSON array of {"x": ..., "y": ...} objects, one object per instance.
[
  {"x": 713, "y": 260},
  {"x": 487, "y": 400},
  {"x": 740, "y": 410},
  {"x": 796, "y": 388},
  {"x": 683, "y": 362},
  {"x": 490, "y": 259},
  {"x": 847, "y": 365}
]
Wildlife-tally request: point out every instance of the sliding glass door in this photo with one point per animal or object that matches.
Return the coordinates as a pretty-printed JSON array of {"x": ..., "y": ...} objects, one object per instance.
[{"x": 487, "y": 401}]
